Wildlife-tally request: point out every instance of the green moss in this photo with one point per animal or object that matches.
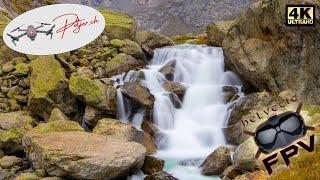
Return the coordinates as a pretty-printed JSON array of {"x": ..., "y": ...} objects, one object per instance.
[
  {"x": 113, "y": 18},
  {"x": 189, "y": 39},
  {"x": 22, "y": 69},
  {"x": 11, "y": 134},
  {"x": 117, "y": 43},
  {"x": 116, "y": 60},
  {"x": 58, "y": 126},
  {"x": 311, "y": 109},
  {"x": 47, "y": 74},
  {"x": 89, "y": 90}
]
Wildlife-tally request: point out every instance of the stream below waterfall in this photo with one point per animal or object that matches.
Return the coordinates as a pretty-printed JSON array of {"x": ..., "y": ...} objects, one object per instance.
[{"x": 191, "y": 132}]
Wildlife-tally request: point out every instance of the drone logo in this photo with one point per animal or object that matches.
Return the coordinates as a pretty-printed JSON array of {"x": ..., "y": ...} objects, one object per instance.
[
  {"x": 31, "y": 32},
  {"x": 278, "y": 132}
]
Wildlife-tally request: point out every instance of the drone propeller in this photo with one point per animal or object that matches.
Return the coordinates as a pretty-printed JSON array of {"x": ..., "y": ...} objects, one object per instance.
[
  {"x": 47, "y": 24},
  {"x": 17, "y": 28}
]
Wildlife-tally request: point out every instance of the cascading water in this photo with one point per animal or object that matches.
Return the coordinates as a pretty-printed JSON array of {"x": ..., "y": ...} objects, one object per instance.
[{"x": 195, "y": 130}]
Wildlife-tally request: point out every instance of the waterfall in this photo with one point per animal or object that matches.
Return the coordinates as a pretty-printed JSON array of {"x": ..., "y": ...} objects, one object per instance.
[{"x": 196, "y": 129}]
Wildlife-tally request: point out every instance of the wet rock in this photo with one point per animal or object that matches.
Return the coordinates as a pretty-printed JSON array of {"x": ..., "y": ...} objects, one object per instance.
[
  {"x": 217, "y": 161},
  {"x": 243, "y": 157},
  {"x": 152, "y": 40},
  {"x": 49, "y": 88},
  {"x": 176, "y": 101},
  {"x": 138, "y": 94},
  {"x": 149, "y": 128},
  {"x": 175, "y": 88},
  {"x": 230, "y": 172},
  {"x": 161, "y": 140},
  {"x": 118, "y": 25},
  {"x": 8, "y": 162},
  {"x": 229, "y": 93},
  {"x": 57, "y": 115},
  {"x": 160, "y": 176},
  {"x": 13, "y": 126},
  {"x": 83, "y": 155},
  {"x": 116, "y": 130},
  {"x": 267, "y": 55},
  {"x": 122, "y": 63},
  {"x": 152, "y": 165},
  {"x": 190, "y": 162},
  {"x": 168, "y": 70},
  {"x": 94, "y": 93}
]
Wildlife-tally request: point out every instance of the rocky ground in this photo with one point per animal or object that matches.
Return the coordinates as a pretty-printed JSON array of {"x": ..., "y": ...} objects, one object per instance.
[{"x": 44, "y": 100}]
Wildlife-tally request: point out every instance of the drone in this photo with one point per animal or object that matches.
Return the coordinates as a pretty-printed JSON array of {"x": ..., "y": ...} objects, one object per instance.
[{"x": 31, "y": 32}]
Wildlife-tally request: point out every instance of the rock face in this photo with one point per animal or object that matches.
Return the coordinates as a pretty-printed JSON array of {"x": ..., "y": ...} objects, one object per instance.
[
  {"x": 13, "y": 126},
  {"x": 94, "y": 92},
  {"x": 83, "y": 155},
  {"x": 16, "y": 8},
  {"x": 49, "y": 88},
  {"x": 268, "y": 55},
  {"x": 217, "y": 161},
  {"x": 118, "y": 25},
  {"x": 217, "y": 32},
  {"x": 152, "y": 40},
  {"x": 175, "y": 88}
]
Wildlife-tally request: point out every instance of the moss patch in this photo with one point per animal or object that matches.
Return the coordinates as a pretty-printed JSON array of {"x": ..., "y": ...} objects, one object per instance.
[
  {"x": 117, "y": 19},
  {"x": 58, "y": 126},
  {"x": 189, "y": 39},
  {"x": 47, "y": 74},
  {"x": 86, "y": 89}
]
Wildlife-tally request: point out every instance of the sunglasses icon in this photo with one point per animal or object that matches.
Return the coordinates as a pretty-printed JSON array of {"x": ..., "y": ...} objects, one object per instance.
[{"x": 279, "y": 131}]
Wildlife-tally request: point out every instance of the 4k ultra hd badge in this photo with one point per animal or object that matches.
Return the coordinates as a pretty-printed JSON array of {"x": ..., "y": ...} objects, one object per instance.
[
  {"x": 54, "y": 29},
  {"x": 300, "y": 15}
]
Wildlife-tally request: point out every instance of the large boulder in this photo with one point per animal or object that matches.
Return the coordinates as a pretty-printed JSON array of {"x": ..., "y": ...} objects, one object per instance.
[
  {"x": 83, "y": 155},
  {"x": 217, "y": 161},
  {"x": 138, "y": 94},
  {"x": 119, "y": 25},
  {"x": 175, "y": 88},
  {"x": 94, "y": 93},
  {"x": 152, "y": 40},
  {"x": 57, "y": 126},
  {"x": 243, "y": 157},
  {"x": 49, "y": 88},
  {"x": 168, "y": 70},
  {"x": 122, "y": 63},
  {"x": 116, "y": 130},
  {"x": 12, "y": 128},
  {"x": 268, "y": 55}
]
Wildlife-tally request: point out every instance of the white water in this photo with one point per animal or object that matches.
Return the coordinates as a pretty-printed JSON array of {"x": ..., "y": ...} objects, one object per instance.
[{"x": 195, "y": 130}]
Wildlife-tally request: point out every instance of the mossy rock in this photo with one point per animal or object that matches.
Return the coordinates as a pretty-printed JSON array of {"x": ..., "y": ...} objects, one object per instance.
[
  {"x": 57, "y": 115},
  {"x": 123, "y": 63},
  {"x": 119, "y": 25},
  {"x": 57, "y": 126},
  {"x": 22, "y": 69},
  {"x": 90, "y": 91},
  {"x": 48, "y": 87},
  {"x": 94, "y": 92},
  {"x": 19, "y": 7},
  {"x": 13, "y": 126}
]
